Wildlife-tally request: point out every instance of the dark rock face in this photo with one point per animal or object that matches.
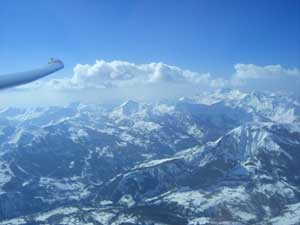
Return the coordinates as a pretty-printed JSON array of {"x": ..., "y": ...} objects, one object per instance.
[{"x": 234, "y": 160}]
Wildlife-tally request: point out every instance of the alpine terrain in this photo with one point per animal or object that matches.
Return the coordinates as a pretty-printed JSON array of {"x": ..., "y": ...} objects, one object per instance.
[{"x": 223, "y": 157}]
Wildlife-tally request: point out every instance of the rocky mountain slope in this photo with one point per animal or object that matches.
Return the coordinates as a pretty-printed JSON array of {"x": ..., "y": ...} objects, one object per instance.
[{"x": 225, "y": 157}]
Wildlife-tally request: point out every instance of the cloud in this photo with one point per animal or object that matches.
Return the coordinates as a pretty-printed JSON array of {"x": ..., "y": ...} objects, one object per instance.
[
  {"x": 120, "y": 80},
  {"x": 125, "y": 74},
  {"x": 250, "y": 71},
  {"x": 266, "y": 78},
  {"x": 122, "y": 74}
]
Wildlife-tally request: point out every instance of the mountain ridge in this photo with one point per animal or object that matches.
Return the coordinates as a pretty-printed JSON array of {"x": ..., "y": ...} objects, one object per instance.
[{"x": 223, "y": 157}]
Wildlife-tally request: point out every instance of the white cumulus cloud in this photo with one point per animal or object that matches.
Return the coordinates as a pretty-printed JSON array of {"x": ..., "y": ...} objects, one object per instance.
[
  {"x": 121, "y": 80},
  {"x": 122, "y": 73},
  {"x": 266, "y": 78}
]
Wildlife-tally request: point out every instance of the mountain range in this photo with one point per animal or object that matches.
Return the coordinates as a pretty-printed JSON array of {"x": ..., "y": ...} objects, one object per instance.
[{"x": 222, "y": 157}]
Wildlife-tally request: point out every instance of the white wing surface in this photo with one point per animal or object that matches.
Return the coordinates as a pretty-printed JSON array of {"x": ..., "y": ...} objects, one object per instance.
[{"x": 15, "y": 79}]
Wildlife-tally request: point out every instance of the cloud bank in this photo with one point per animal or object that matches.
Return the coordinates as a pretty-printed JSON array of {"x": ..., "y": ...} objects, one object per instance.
[
  {"x": 121, "y": 80},
  {"x": 266, "y": 78},
  {"x": 120, "y": 74}
]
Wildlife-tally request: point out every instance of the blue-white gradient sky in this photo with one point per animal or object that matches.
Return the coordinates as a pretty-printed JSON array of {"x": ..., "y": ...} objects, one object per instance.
[{"x": 236, "y": 43}]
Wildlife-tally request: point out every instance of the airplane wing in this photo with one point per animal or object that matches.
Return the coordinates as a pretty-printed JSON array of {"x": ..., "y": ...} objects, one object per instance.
[{"x": 15, "y": 79}]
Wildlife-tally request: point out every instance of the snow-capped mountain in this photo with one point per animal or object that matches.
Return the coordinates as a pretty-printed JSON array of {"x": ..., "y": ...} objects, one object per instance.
[{"x": 225, "y": 157}]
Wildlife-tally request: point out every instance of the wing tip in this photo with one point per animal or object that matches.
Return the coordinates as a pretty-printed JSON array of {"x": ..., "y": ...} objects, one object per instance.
[{"x": 55, "y": 61}]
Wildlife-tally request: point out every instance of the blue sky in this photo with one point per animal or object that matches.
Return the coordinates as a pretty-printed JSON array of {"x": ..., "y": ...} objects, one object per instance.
[{"x": 205, "y": 36}]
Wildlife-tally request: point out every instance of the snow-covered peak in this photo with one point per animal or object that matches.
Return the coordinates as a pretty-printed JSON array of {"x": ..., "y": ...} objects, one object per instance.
[
  {"x": 129, "y": 107},
  {"x": 225, "y": 154},
  {"x": 126, "y": 109},
  {"x": 246, "y": 141},
  {"x": 263, "y": 106}
]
